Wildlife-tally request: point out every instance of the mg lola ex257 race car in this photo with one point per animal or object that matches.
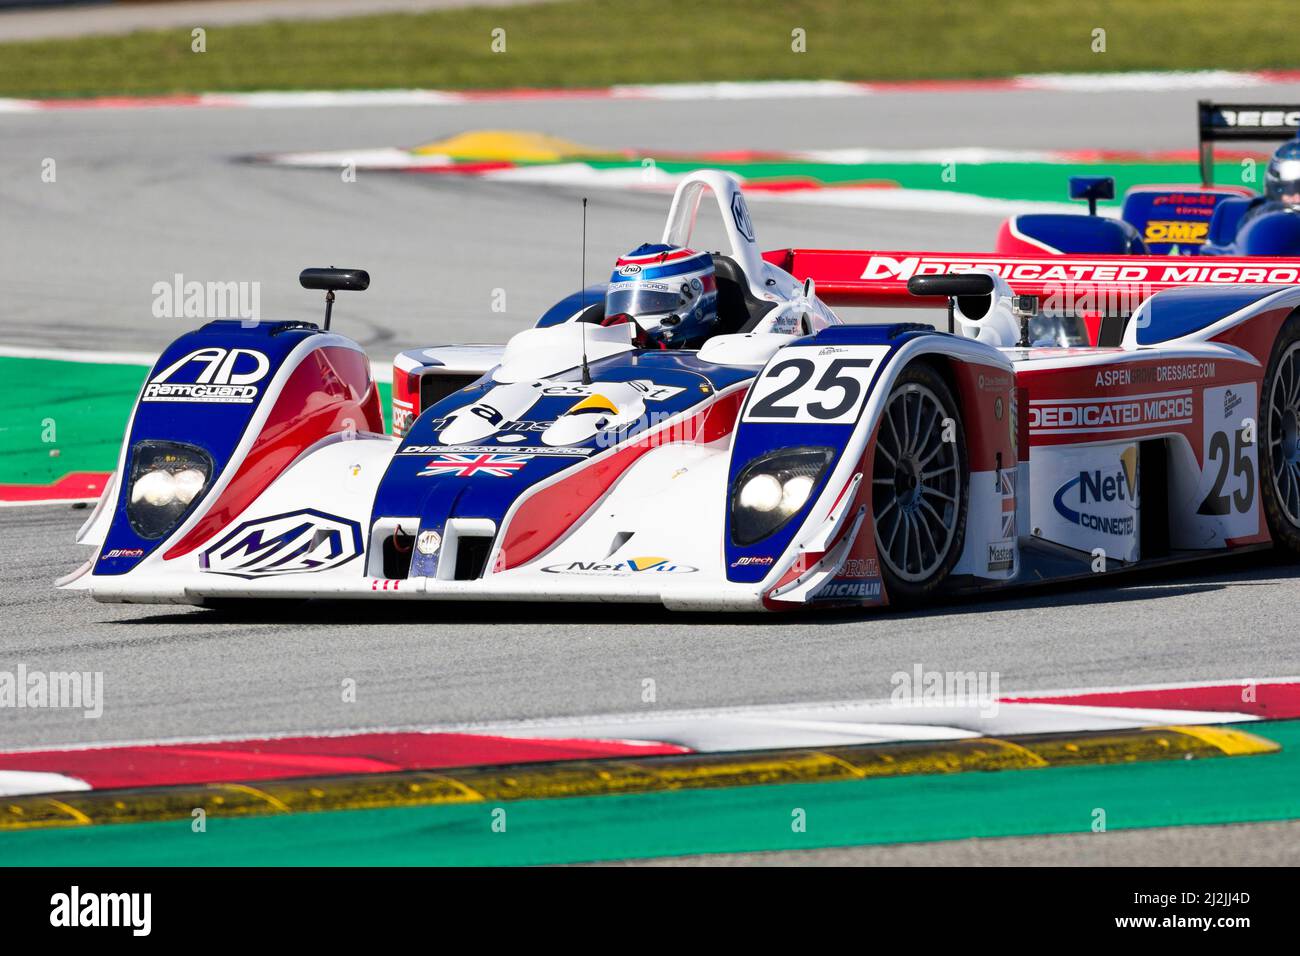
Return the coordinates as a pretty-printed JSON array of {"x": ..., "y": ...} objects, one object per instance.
[{"x": 791, "y": 460}]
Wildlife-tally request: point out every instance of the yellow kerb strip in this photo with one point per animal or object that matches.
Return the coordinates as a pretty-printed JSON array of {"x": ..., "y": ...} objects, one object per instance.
[{"x": 590, "y": 778}]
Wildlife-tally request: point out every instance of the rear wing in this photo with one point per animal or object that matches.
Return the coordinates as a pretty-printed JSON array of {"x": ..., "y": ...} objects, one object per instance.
[
  {"x": 1067, "y": 284},
  {"x": 1241, "y": 122}
]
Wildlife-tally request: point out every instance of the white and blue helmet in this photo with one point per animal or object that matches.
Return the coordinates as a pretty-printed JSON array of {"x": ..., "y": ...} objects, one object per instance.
[
  {"x": 1282, "y": 179},
  {"x": 669, "y": 292}
]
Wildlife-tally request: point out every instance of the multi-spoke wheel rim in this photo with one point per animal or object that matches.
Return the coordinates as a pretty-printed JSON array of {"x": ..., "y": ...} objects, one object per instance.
[
  {"x": 1284, "y": 433},
  {"x": 916, "y": 484}
]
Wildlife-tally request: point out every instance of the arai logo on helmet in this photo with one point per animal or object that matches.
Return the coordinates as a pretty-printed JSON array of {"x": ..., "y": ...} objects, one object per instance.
[
  {"x": 210, "y": 374},
  {"x": 621, "y": 568},
  {"x": 630, "y": 269}
]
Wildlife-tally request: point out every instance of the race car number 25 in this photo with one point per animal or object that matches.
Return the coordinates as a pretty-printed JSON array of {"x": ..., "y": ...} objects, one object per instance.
[{"x": 810, "y": 385}]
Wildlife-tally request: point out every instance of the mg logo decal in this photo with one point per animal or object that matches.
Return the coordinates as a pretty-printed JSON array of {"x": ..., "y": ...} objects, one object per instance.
[
  {"x": 294, "y": 543},
  {"x": 740, "y": 213}
]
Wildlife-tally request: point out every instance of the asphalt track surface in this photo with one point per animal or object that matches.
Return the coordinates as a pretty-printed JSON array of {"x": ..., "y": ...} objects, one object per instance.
[{"x": 141, "y": 195}]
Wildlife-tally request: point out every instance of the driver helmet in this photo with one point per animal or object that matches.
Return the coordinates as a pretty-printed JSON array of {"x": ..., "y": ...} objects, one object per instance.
[
  {"x": 1282, "y": 180},
  {"x": 668, "y": 292}
]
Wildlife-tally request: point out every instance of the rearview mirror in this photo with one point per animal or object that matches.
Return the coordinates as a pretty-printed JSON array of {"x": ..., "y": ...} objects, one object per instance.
[{"x": 331, "y": 279}]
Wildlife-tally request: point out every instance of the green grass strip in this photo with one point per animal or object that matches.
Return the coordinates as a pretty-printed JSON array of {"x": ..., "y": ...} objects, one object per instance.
[
  {"x": 595, "y": 43},
  {"x": 78, "y": 410}
]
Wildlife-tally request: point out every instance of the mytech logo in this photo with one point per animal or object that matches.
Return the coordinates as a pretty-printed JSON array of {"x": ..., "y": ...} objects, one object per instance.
[
  {"x": 1096, "y": 493},
  {"x": 294, "y": 543},
  {"x": 125, "y": 553},
  {"x": 217, "y": 375}
]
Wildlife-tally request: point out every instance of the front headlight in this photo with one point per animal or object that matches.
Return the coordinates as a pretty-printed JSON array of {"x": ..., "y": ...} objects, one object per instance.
[
  {"x": 773, "y": 489},
  {"x": 167, "y": 479}
]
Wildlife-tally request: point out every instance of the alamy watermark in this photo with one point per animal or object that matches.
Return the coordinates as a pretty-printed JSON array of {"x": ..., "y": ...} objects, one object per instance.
[
  {"x": 926, "y": 688},
  {"x": 179, "y": 299},
  {"x": 24, "y": 688}
]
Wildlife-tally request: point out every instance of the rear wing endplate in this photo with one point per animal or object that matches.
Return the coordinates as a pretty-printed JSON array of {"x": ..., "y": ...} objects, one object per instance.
[{"x": 1241, "y": 122}]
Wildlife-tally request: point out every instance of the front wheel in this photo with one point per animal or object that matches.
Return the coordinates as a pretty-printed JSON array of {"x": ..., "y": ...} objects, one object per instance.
[
  {"x": 1280, "y": 454},
  {"x": 920, "y": 484}
]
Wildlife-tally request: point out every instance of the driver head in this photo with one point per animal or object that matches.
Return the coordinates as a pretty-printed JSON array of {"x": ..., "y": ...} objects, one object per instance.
[
  {"x": 669, "y": 292},
  {"x": 1282, "y": 180}
]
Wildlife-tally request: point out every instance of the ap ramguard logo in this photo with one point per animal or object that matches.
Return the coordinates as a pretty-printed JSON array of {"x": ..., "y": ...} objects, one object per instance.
[
  {"x": 1090, "y": 500},
  {"x": 621, "y": 568}
]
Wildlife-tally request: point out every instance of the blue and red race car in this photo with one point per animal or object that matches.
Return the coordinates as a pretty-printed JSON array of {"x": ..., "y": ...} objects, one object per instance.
[{"x": 1186, "y": 219}]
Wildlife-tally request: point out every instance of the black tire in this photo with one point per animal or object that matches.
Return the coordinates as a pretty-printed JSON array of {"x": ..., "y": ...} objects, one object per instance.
[
  {"x": 1280, "y": 447},
  {"x": 920, "y": 485}
]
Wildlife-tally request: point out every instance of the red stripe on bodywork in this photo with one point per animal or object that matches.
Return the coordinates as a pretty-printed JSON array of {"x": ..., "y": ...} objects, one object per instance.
[
  {"x": 547, "y": 514},
  {"x": 278, "y": 759},
  {"x": 329, "y": 392},
  {"x": 1274, "y": 700}
]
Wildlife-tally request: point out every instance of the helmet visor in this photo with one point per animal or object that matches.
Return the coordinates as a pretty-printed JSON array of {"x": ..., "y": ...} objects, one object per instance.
[
  {"x": 643, "y": 298},
  {"x": 1286, "y": 180}
]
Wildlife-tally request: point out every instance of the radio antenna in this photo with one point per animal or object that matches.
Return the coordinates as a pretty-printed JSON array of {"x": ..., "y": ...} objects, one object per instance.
[{"x": 582, "y": 297}]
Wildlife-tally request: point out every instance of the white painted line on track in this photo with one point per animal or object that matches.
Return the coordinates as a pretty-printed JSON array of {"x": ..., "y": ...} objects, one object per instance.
[{"x": 750, "y": 90}]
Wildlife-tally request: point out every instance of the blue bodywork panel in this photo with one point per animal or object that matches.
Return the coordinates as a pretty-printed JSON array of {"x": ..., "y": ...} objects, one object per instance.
[
  {"x": 1178, "y": 312},
  {"x": 750, "y": 563},
  {"x": 424, "y": 479},
  {"x": 184, "y": 400}
]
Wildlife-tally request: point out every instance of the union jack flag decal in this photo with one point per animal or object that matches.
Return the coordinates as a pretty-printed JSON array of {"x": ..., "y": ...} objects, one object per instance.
[
  {"x": 466, "y": 466},
  {"x": 1007, "y": 488}
]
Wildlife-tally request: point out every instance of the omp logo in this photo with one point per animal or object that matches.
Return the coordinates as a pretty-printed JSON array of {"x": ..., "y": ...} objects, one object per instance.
[
  {"x": 211, "y": 374},
  {"x": 294, "y": 543},
  {"x": 1160, "y": 231},
  {"x": 617, "y": 568},
  {"x": 1094, "y": 490}
]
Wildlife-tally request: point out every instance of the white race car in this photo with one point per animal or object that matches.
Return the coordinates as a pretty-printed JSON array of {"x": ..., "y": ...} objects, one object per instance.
[{"x": 792, "y": 460}]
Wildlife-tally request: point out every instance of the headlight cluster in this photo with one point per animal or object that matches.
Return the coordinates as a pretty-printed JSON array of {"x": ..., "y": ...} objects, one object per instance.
[
  {"x": 772, "y": 489},
  {"x": 167, "y": 478}
]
